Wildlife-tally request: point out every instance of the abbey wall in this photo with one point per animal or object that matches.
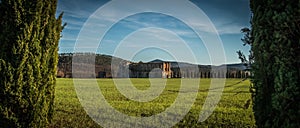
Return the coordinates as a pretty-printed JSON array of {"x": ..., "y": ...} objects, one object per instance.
[
  {"x": 172, "y": 70},
  {"x": 152, "y": 70}
]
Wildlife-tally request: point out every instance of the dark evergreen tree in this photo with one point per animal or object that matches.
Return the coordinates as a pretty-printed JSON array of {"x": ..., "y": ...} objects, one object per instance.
[
  {"x": 276, "y": 50},
  {"x": 29, "y": 36}
]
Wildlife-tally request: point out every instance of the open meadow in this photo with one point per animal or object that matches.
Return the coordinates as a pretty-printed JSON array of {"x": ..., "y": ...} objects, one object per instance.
[{"x": 233, "y": 110}]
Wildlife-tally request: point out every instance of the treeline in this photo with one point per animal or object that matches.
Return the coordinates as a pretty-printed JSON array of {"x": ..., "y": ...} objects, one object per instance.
[{"x": 102, "y": 64}]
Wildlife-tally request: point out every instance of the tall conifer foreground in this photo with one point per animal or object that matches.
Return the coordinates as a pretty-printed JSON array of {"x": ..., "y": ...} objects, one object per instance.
[
  {"x": 29, "y": 36},
  {"x": 276, "y": 49}
]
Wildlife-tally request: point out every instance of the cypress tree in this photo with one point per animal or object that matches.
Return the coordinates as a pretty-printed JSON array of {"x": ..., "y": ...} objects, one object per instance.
[
  {"x": 29, "y": 36},
  {"x": 276, "y": 68}
]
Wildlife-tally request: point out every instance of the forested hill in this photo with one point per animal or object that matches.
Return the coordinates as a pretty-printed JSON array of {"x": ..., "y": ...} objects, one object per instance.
[
  {"x": 102, "y": 62},
  {"x": 66, "y": 58}
]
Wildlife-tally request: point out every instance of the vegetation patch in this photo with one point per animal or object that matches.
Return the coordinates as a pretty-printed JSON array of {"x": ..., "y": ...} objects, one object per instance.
[{"x": 232, "y": 110}]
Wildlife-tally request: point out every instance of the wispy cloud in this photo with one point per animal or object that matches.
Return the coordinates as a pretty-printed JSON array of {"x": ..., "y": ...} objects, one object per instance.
[
  {"x": 154, "y": 38},
  {"x": 229, "y": 29},
  {"x": 224, "y": 16}
]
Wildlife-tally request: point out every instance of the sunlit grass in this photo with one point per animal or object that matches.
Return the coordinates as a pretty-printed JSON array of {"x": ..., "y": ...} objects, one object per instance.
[{"x": 232, "y": 110}]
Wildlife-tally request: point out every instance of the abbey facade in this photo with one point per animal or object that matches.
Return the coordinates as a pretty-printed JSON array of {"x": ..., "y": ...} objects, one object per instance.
[
  {"x": 162, "y": 69},
  {"x": 150, "y": 70}
]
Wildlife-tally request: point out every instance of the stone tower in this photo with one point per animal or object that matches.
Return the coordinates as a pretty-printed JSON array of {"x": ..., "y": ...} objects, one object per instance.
[{"x": 166, "y": 70}]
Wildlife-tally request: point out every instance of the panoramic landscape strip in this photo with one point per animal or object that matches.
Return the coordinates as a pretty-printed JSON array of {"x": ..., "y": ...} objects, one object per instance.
[{"x": 149, "y": 63}]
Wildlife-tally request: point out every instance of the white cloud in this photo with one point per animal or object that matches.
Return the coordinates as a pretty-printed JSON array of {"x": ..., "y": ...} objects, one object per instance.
[{"x": 154, "y": 38}]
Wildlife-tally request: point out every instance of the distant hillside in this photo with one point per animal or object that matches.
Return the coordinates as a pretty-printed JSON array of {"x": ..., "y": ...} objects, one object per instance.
[
  {"x": 103, "y": 64},
  {"x": 239, "y": 66}
]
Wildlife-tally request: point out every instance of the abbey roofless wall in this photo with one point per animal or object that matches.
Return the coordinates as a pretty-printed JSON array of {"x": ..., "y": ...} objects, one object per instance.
[{"x": 172, "y": 70}]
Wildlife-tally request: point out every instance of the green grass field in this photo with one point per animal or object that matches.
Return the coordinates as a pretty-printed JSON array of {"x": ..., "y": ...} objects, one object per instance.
[{"x": 232, "y": 110}]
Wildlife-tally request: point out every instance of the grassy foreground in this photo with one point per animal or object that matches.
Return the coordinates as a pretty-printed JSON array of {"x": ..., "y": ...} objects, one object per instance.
[{"x": 233, "y": 110}]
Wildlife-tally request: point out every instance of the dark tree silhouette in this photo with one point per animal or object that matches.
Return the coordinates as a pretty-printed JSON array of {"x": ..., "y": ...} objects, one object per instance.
[{"x": 275, "y": 42}]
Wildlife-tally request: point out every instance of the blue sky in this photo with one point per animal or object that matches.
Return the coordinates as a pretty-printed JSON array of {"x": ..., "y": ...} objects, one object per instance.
[{"x": 150, "y": 35}]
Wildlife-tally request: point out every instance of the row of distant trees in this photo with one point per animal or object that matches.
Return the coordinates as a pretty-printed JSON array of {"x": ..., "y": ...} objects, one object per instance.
[{"x": 102, "y": 63}]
